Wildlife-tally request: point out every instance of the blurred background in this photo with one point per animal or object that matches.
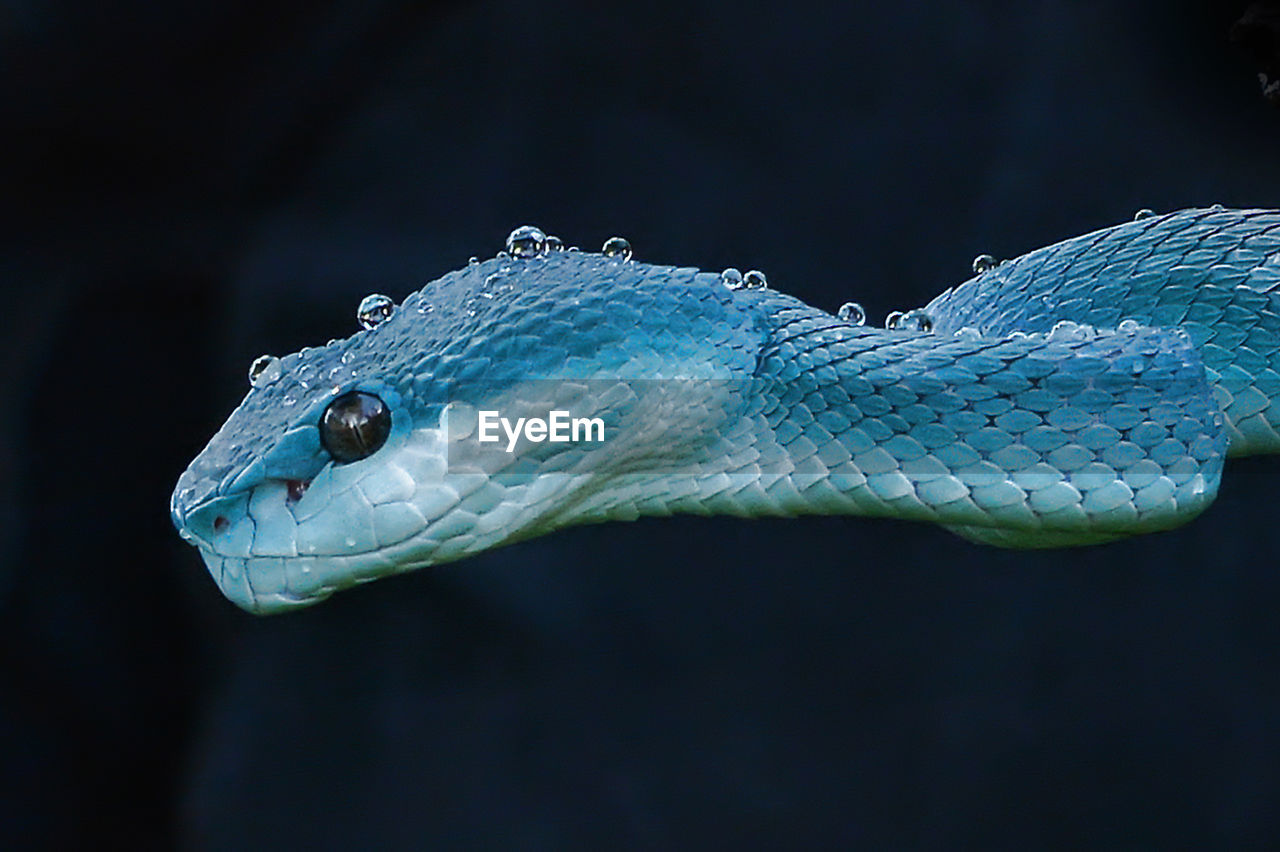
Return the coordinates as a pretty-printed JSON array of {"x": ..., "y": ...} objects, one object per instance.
[{"x": 191, "y": 185}]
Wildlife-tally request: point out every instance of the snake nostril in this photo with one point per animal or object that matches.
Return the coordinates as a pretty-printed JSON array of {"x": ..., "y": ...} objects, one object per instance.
[
  {"x": 296, "y": 488},
  {"x": 220, "y": 524}
]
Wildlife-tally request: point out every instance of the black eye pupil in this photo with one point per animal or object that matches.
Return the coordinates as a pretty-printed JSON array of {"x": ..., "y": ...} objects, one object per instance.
[{"x": 354, "y": 426}]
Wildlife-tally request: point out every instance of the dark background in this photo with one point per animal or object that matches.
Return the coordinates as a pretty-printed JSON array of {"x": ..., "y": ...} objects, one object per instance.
[{"x": 191, "y": 185}]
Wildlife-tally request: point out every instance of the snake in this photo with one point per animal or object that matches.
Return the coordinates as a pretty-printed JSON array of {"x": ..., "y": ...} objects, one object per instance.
[{"x": 1086, "y": 391}]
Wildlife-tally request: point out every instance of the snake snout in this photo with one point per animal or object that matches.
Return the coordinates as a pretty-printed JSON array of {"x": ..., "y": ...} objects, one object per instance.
[{"x": 211, "y": 525}]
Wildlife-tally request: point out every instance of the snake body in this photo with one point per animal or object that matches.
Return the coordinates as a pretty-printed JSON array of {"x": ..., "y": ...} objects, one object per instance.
[{"x": 1083, "y": 392}]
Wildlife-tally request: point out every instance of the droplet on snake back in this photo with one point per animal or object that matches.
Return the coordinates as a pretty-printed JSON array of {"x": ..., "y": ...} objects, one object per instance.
[
  {"x": 967, "y": 332},
  {"x": 731, "y": 278},
  {"x": 526, "y": 241},
  {"x": 983, "y": 263},
  {"x": 617, "y": 247},
  {"x": 894, "y": 319},
  {"x": 1068, "y": 331},
  {"x": 1144, "y": 213},
  {"x": 1128, "y": 326},
  {"x": 553, "y": 244},
  {"x": 264, "y": 370},
  {"x": 374, "y": 310},
  {"x": 754, "y": 280},
  {"x": 852, "y": 313},
  {"x": 916, "y": 320}
]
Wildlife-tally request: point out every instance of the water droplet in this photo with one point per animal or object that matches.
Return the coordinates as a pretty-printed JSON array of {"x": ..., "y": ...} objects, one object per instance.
[
  {"x": 554, "y": 244},
  {"x": 526, "y": 241},
  {"x": 852, "y": 313},
  {"x": 1144, "y": 213},
  {"x": 264, "y": 370},
  {"x": 336, "y": 372},
  {"x": 374, "y": 310},
  {"x": 347, "y": 357},
  {"x": 493, "y": 279},
  {"x": 304, "y": 374},
  {"x": 1067, "y": 331},
  {"x": 983, "y": 263},
  {"x": 1216, "y": 208},
  {"x": 473, "y": 261},
  {"x": 754, "y": 280},
  {"x": 917, "y": 320},
  {"x": 893, "y": 319},
  {"x": 290, "y": 398},
  {"x": 731, "y": 278},
  {"x": 425, "y": 307},
  {"x": 617, "y": 247},
  {"x": 1128, "y": 326},
  {"x": 967, "y": 332}
]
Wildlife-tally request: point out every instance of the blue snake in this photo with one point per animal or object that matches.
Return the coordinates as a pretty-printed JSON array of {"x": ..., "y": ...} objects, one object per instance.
[{"x": 1083, "y": 392}]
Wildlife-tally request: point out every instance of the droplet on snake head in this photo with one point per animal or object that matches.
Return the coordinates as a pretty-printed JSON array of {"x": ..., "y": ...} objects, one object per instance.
[
  {"x": 731, "y": 278},
  {"x": 526, "y": 241},
  {"x": 1128, "y": 326},
  {"x": 852, "y": 313},
  {"x": 554, "y": 244},
  {"x": 290, "y": 398},
  {"x": 967, "y": 332},
  {"x": 1216, "y": 208},
  {"x": 1144, "y": 213},
  {"x": 354, "y": 426},
  {"x": 374, "y": 310},
  {"x": 983, "y": 263},
  {"x": 894, "y": 319},
  {"x": 754, "y": 280},
  {"x": 264, "y": 370},
  {"x": 917, "y": 320},
  {"x": 473, "y": 261},
  {"x": 425, "y": 307},
  {"x": 304, "y": 375},
  {"x": 347, "y": 357},
  {"x": 617, "y": 247}
]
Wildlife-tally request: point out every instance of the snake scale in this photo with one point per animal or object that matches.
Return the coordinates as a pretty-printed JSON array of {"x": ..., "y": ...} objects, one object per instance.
[{"x": 1083, "y": 392}]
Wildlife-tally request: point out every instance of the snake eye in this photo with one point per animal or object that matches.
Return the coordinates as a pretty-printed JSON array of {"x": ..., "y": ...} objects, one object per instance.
[{"x": 354, "y": 426}]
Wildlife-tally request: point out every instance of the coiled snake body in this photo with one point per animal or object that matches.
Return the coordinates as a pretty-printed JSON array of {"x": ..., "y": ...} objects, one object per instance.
[{"x": 1085, "y": 391}]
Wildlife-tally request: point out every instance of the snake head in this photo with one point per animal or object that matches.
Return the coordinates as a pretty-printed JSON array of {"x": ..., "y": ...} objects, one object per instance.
[{"x": 366, "y": 457}]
